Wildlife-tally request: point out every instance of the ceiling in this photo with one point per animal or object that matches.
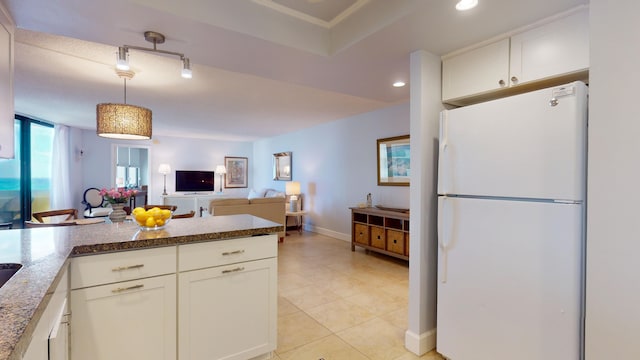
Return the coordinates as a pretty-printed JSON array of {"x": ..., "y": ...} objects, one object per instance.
[{"x": 260, "y": 67}]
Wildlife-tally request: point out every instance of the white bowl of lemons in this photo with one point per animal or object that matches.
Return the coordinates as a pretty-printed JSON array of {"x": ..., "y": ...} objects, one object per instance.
[{"x": 152, "y": 219}]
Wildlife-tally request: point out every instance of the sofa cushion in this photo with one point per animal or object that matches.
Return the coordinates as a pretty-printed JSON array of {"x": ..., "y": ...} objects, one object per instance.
[
  {"x": 268, "y": 200},
  {"x": 256, "y": 194},
  {"x": 229, "y": 201}
]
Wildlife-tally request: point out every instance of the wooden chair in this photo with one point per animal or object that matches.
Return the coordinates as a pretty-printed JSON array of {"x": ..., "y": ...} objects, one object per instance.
[
  {"x": 190, "y": 214},
  {"x": 40, "y": 216},
  {"x": 163, "y": 207},
  {"x": 35, "y": 224}
]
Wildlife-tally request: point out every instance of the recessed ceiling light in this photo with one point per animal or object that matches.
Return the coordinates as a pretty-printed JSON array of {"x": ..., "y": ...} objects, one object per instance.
[
  {"x": 399, "y": 84},
  {"x": 463, "y": 5}
]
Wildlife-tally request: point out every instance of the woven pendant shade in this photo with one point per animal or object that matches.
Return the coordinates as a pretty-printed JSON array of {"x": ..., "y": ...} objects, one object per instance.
[{"x": 122, "y": 121}]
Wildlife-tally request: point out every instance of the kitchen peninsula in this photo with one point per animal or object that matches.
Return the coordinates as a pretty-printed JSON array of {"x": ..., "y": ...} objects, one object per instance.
[{"x": 191, "y": 250}]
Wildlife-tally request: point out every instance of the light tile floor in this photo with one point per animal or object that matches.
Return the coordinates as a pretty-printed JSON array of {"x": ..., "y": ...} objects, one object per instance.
[{"x": 335, "y": 304}]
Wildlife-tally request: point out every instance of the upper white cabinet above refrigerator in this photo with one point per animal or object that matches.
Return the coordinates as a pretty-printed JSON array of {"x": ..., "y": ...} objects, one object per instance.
[
  {"x": 549, "y": 54},
  {"x": 477, "y": 71}
]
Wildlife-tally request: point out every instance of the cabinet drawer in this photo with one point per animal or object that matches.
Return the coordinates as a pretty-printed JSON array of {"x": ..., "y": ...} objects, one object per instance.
[
  {"x": 395, "y": 241},
  {"x": 122, "y": 266},
  {"x": 377, "y": 237},
  {"x": 361, "y": 234},
  {"x": 216, "y": 253}
]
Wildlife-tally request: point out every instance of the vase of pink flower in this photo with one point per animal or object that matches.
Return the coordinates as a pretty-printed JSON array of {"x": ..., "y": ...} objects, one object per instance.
[{"x": 118, "y": 198}]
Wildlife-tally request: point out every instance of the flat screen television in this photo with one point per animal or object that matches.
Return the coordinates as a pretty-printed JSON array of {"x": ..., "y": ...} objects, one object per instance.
[{"x": 192, "y": 180}]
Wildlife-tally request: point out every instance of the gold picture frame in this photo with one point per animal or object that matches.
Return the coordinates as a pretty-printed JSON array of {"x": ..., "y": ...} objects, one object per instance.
[
  {"x": 237, "y": 172},
  {"x": 394, "y": 161}
]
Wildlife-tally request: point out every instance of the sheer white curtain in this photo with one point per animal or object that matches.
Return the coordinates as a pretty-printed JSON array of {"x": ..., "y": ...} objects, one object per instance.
[{"x": 61, "y": 197}]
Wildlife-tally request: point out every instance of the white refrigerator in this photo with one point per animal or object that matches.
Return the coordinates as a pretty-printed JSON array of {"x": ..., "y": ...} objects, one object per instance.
[{"x": 511, "y": 232}]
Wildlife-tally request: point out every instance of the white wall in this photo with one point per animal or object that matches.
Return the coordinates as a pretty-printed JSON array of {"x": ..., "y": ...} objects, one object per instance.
[
  {"x": 180, "y": 153},
  {"x": 426, "y": 106},
  {"x": 613, "y": 230},
  {"x": 336, "y": 166}
]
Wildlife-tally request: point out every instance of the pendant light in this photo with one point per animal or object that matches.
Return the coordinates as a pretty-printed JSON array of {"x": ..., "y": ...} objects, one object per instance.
[{"x": 123, "y": 121}]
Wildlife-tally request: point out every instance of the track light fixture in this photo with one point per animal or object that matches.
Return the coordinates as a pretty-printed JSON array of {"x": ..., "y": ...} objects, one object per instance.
[{"x": 156, "y": 38}]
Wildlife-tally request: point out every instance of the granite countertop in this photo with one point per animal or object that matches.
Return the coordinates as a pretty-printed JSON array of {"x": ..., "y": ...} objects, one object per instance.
[{"x": 44, "y": 252}]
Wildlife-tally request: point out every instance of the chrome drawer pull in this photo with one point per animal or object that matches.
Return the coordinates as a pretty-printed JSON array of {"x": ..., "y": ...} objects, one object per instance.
[
  {"x": 233, "y": 270},
  {"x": 121, "y": 268},
  {"x": 233, "y": 252},
  {"x": 119, "y": 290}
]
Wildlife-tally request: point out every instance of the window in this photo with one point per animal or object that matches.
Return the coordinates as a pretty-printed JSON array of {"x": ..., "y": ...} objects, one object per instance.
[{"x": 28, "y": 175}]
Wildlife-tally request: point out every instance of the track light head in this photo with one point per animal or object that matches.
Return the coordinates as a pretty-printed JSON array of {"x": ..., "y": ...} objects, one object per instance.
[
  {"x": 186, "y": 69},
  {"x": 123, "y": 59}
]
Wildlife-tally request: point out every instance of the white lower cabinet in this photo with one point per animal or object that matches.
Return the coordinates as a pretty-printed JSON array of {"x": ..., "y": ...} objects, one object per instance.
[
  {"x": 123, "y": 305},
  {"x": 49, "y": 340},
  {"x": 210, "y": 300},
  {"x": 126, "y": 320},
  {"x": 228, "y": 312}
]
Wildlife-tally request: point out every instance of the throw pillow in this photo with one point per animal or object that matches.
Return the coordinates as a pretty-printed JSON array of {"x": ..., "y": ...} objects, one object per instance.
[
  {"x": 256, "y": 194},
  {"x": 273, "y": 193}
]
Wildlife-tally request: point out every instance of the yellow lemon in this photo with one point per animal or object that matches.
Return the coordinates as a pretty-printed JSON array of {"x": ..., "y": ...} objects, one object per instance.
[
  {"x": 155, "y": 213},
  {"x": 159, "y": 222},
  {"x": 141, "y": 217},
  {"x": 166, "y": 214},
  {"x": 138, "y": 210},
  {"x": 150, "y": 222}
]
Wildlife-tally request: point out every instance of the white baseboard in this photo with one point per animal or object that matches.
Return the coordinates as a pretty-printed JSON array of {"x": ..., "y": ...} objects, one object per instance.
[
  {"x": 327, "y": 232},
  {"x": 420, "y": 344}
]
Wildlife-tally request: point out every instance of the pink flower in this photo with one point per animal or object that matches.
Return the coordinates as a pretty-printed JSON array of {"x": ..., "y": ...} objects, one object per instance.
[{"x": 120, "y": 195}]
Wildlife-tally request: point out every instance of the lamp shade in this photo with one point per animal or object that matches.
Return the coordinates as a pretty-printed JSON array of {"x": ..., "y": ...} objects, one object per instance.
[
  {"x": 164, "y": 169},
  {"x": 122, "y": 121},
  {"x": 292, "y": 188},
  {"x": 221, "y": 169}
]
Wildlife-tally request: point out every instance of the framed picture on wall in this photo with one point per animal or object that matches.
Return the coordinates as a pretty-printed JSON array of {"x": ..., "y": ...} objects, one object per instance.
[
  {"x": 394, "y": 161},
  {"x": 237, "y": 172}
]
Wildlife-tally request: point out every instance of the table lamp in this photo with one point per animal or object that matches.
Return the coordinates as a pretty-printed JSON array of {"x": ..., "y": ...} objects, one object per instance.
[
  {"x": 164, "y": 169},
  {"x": 221, "y": 169},
  {"x": 292, "y": 188}
]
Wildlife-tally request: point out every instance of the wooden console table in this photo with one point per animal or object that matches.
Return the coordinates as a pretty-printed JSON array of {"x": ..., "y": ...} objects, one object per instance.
[{"x": 382, "y": 231}]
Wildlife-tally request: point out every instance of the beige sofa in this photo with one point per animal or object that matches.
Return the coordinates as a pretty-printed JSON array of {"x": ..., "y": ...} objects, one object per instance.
[{"x": 270, "y": 208}]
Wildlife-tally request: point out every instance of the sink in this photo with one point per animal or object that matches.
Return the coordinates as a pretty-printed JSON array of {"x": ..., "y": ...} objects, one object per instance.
[{"x": 7, "y": 271}]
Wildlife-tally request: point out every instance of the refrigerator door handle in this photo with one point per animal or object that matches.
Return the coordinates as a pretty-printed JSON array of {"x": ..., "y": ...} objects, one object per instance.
[
  {"x": 444, "y": 246},
  {"x": 443, "y": 171}
]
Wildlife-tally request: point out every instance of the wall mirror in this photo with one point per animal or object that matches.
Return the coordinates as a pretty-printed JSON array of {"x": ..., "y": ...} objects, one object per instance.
[
  {"x": 282, "y": 166},
  {"x": 130, "y": 167}
]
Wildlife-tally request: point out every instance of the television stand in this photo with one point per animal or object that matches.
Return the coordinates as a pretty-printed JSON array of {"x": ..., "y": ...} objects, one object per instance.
[{"x": 187, "y": 202}]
